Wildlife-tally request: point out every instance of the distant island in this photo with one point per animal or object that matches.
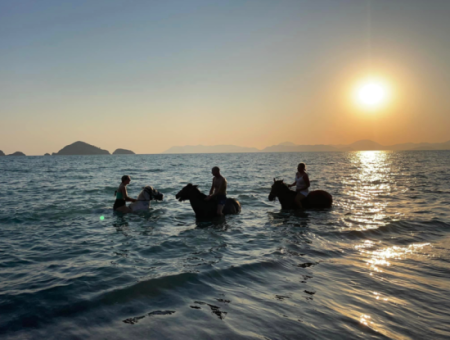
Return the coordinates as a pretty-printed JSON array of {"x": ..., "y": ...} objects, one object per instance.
[
  {"x": 123, "y": 152},
  {"x": 362, "y": 145},
  {"x": 80, "y": 148},
  {"x": 210, "y": 149},
  {"x": 17, "y": 153}
]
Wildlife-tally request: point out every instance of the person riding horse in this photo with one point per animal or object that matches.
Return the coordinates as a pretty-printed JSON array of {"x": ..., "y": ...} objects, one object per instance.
[{"x": 302, "y": 183}]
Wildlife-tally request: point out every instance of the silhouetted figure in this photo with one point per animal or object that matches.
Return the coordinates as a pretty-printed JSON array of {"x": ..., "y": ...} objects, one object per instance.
[
  {"x": 315, "y": 199},
  {"x": 203, "y": 207},
  {"x": 122, "y": 196},
  {"x": 302, "y": 184},
  {"x": 218, "y": 190}
]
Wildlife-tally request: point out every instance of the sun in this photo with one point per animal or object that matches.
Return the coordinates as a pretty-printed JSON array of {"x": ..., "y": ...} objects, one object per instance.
[{"x": 372, "y": 94}]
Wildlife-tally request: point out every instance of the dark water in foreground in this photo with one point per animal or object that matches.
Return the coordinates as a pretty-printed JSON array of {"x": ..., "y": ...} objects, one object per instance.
[{"x": 375, "y": 266}]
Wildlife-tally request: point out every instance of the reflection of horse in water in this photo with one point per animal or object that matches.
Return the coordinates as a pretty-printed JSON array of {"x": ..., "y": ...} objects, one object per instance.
[
  {"x": 315, "y": 199},
  {"x": 147, "y": 194},
  {"x": 201, "y": 206}
]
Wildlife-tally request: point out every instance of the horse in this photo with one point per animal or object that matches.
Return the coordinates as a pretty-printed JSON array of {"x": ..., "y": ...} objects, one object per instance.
[
  {"x": 147, "y": 194},
  {"x": 315, "y": 199},
  {"x": 203, "y": 207}
]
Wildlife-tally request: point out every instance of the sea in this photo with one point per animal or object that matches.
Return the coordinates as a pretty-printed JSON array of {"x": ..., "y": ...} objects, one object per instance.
[{"x": 374, "y": 266}]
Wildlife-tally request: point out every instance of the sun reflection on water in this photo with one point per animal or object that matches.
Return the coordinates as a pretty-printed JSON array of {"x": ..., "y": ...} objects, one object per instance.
[
  {"x": 367, "y": 190},
  {"x": 378, "y": 259}
]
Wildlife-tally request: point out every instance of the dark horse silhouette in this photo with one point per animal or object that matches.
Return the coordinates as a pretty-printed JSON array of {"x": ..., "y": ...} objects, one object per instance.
[
  {"x": 203, "y": 208},
  {"x": 315, "y": 199}
]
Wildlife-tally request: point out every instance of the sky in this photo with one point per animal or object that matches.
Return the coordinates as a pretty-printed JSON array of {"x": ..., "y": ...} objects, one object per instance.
[{"x": 148, "y": 75}]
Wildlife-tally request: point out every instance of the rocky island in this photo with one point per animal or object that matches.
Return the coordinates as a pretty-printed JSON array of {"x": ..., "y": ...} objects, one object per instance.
[
  {"x": 123, "y": 152},
  {"x": 2, "y": 153},
  {"x": 17, "y": 153},
  {"x": 80, "y": 148}
]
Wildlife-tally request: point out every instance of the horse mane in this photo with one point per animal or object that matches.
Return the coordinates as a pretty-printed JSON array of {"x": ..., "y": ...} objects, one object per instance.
[
  {"x": 197, "y": 190},
  {"x": 285, "y": 186},
  {"x": 141, "y": 195}
]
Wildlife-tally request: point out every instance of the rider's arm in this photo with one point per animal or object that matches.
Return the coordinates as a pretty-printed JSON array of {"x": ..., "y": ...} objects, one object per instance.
[
  {"x": 212, "y": 188},
  {"x": 126, "y": 197}
]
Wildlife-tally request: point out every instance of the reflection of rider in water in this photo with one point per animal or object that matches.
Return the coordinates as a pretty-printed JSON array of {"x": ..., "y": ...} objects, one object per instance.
[
  {"x": 302, "y": 183},
  {"x": 122, "y": 196}
]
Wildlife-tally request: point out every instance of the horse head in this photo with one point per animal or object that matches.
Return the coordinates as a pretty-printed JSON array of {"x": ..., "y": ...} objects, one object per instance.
[
  {"x": 149, "y": 193},
  {"x": 187, "y": 192},
  {"x": 277, "y": 188}
]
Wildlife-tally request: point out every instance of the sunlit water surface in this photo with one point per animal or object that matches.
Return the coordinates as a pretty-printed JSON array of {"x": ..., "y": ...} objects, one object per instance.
[{"x": 376, "y": 265}]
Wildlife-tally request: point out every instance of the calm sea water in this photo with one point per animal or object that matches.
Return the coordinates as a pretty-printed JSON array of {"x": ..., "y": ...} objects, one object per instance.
[{"x": 375, "y": 266}]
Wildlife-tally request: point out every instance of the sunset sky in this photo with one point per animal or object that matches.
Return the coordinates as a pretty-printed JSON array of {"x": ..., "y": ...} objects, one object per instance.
[{"x": 148, "y": 75}]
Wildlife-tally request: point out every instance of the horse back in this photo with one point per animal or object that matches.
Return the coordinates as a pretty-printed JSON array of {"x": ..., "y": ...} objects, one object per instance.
[
  {"x": 319, "y": 199},
  {"x": 232, "y": 206}
]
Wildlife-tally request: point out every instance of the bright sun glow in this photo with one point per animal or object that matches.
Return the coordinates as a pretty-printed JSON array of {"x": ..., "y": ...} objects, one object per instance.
[{"x": 372, "y": 94}]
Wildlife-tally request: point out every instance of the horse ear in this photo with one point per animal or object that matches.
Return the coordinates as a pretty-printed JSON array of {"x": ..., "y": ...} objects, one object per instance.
[
  {"x": 274, "y": 180},
  {"x": 282, "y": 181}
]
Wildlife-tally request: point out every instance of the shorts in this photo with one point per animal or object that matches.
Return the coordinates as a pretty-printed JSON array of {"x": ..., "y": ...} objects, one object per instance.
[
  {"x": 119, "y": 203},
  {"x": 221, "y": 199}
]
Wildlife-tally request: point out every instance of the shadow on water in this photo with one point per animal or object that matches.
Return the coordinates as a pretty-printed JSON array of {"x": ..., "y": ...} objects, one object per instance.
[
  {"x": 297, "y": 218},
  {"x": 218, "y": 222}
]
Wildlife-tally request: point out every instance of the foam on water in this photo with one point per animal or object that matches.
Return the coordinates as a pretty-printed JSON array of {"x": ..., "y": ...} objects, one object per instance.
[{"x": 376, "y": 265}]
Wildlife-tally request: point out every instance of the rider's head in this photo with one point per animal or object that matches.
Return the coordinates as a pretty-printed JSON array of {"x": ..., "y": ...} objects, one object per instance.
[
  {"x": 126, "y": 179},
  {"x": 215, "y": 171},
  {"x": 301, "y": 167}
]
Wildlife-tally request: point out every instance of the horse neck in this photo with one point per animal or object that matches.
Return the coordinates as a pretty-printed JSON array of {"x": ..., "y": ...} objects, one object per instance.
[
  {"x": 285, "y": 196},
  {"x": 197, "y": 198},
  {"x": 141, "y": 196}
]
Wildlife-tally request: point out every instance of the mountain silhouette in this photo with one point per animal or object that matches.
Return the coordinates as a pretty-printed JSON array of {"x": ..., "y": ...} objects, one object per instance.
[
  {"x": 123, "y": 152},
  {"x": 298, "y": 148},
  {"x": 361, "y": 145},
  {"x": 2, "y": 153},
  {"x": 210, "y": 149},
  {"x": 17, "y": 153},
  {"x": 366, "y": 144},
  {"x": 80, "y": 148}
]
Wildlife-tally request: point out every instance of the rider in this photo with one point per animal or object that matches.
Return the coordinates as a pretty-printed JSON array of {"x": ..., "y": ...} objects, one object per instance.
[
  {"x": 218, "y": 190},
  {"x": 302, "y": 184},
  {"x": 122, "y": 196}
]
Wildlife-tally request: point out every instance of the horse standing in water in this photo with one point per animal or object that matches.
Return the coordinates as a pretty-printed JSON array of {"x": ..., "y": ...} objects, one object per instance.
[
  {"x": 315, "y": 199},
  {"x": 147, "y": 194},
  {"x": 201, "y": 206}
]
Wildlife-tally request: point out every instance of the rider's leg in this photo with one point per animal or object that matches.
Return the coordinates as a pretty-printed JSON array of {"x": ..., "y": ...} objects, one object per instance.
[
  {"x": 298, "y": 200},
  {"x": 220, "y": 209},
  {"x": 123, "y": 209}
]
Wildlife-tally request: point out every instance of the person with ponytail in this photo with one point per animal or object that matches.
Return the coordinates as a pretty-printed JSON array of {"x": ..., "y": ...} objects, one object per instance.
[
  {"x": 301, "y": 183},
  {"x": 122, "y": 196}
]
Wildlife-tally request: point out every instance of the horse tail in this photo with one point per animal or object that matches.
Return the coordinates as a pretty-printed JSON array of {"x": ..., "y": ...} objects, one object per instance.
[{"x": 237, "y": 205}]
